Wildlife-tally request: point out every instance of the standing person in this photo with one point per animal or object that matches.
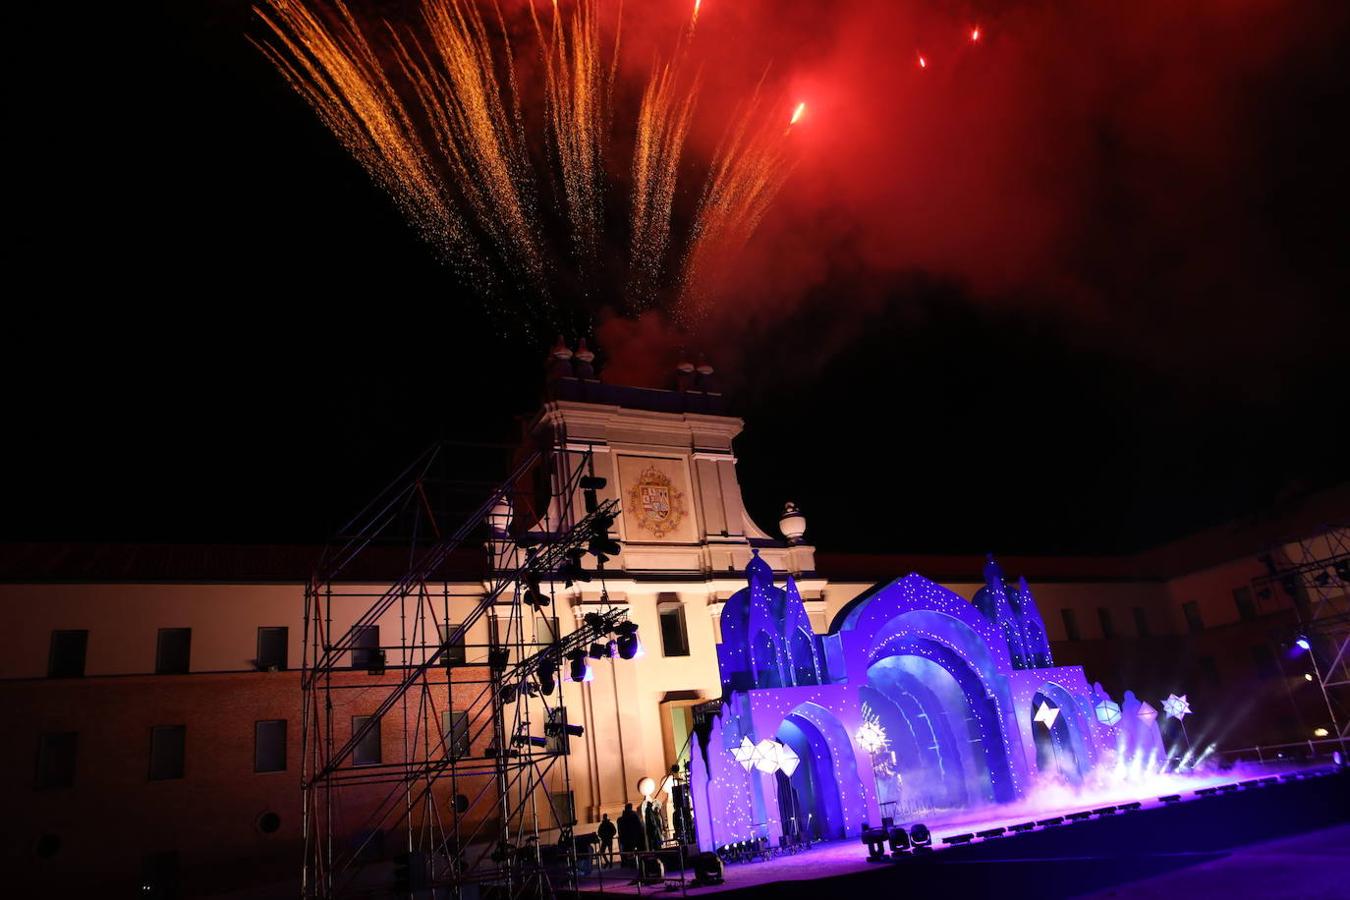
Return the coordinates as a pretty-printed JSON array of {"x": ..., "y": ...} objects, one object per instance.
[
  {"x": 606, "y": 833},
  {"x": 654, "y": 836},
  {"x": 630, "y": 832}
]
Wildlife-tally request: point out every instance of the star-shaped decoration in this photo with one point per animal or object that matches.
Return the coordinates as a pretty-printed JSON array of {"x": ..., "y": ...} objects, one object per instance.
[
  {"x": 1146, "y": 712},
  {"x": 788, "y": 760},
  {"x": 1177, "y": 707},
  {"x": 745, "y": 754},
  {"x": 1047, "y": 714},
  {"x": 766, "y": 756},
  {"x": 1108, "y": 712}
]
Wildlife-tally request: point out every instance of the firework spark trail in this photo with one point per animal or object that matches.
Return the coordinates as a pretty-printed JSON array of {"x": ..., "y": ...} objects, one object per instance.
[
  {"x": 664, "y": 117},
  {"x": 477, "y": 130},
  {"x": 749, "y": 168},
  {"x": 463, "y": 170},
  {"x": 337, "y": 72},
  {"x": 578, "y": 89}
]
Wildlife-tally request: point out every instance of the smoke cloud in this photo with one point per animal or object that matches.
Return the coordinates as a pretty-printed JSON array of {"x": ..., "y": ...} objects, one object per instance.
[{"x": 1153, "y": 178}]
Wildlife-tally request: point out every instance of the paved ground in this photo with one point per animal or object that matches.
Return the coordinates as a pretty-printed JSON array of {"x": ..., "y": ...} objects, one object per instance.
[{"x": 1312, "y": 866}]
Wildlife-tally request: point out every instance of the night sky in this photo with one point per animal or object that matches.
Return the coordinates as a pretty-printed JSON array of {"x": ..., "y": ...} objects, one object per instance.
[{"x": 1079, "y": 288}]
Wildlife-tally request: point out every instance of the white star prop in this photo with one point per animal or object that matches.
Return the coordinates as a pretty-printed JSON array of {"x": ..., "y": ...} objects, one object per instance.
[
  {"x": 745, "y": 753},
  {"x": 1047, "y": 714},
  {"x": 1146, "y": 712},
  {"x": 788, "y": 760},
  {"x": 1177, "y": 707},
  {"x": 766, "y": 756},
  {"x": 1108, "y": 712}
]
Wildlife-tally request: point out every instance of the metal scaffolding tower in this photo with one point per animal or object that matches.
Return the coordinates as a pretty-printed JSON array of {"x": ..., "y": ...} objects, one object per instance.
[
  {"x": 443, "y": 756},
  {"x": 1313, "y": 575}
]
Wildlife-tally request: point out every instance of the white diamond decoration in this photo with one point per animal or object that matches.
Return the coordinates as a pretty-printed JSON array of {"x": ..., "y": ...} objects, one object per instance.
[
  {"x": 1047, "y": 714},
  {"x": 1108, "y": 712},
  {"x": 766, "y": 756},
  {"x": 788, "y": 760},
  {"x": 745, "y": 753}
]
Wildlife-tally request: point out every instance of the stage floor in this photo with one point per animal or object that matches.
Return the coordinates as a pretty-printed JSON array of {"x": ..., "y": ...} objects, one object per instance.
[{"x": 844, "y": 857}]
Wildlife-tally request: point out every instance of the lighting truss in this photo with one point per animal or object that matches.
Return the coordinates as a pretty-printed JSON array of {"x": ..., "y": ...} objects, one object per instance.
[
  {"x": 467, "y": 806},
  {"x": 1312, "y": 574}
]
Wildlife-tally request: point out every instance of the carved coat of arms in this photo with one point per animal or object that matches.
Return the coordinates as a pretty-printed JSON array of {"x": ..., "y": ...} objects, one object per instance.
[{"x": 654, "y": 504}]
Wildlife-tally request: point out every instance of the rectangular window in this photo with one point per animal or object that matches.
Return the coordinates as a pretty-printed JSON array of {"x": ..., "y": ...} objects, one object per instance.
[
  {"x": 367, "y": 752},
  {"x": 1141, "y": 622},
  {"x": 1209, "y": 671},
  {"x": 454, "y": 653},
  {"x": 1263, "y": 658},
  {"x": 1108, "y": 627},
  {"x": 56, "y": 759},
  {"x": 1070, "y": 625},
  {"x": 674, "y": 635},
  {"x": 1191, "y": 610},
  {"x": 168, "y": 745},
  {"x": 1242, "y": 599},
  {"x": 173, "y": 651},
  {"x": 366, "y": 648},
  {"x": 455, "y": 727},
  {"x": 273, "y": 648},
  {"x": 66, "y": 657},
  {"x": 269, "y": 745}
]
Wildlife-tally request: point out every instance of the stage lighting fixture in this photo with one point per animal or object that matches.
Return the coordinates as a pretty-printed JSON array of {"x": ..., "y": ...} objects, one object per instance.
[
  {"x": 589, "y": 484},
  {"x": 1307, "y": 676},
  {"x": 651, "y": 870},
  {"x": 959, "y": 838},
  {"x": 1022, "y": 827},
  {"x": 1207, "y": 792},
  {"x": 522, "y": 740},
  {"x": 1302, "y": 643},
  {"x": 602, "y": 547},
  {"x": 548, "y": 676},
  {"x": 1342, "y": 567},
  {"x": 1171, "y": 798},
  {"x": 1079, "y": 816},
  {"x": 598, "y": 651},
  {"x": 708, "y": 869},
  {"x": 498, "y": 657},
  {"x": 875, "y": 839},
  {"x": 578, "y": 667},
  {"x": 508, "y": 693},
  {"x": 628, "y": 640},
  {"x": 594, "y": 621},
  {"x": 556, "y": 729},
  {"x": 1104, "y": 811},
  {"x": 898, "y": 838},
  {"x": 920, "y": 836},
  {"x": 572, "y": 571},
  {"x": 991, "y": 833},
  {"x": 534, "y": 597},
  {"x": 1053, "y": 820},
  {"x": 1131, "y": 806},
  {"x": 1322, "y": 578},
  {"x": 1320, "y": 732}
]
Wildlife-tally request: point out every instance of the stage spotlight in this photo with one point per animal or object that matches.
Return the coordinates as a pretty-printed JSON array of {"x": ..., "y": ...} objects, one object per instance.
[
  {"x": 920, "y": 836},
  {"x": 899, "y": 841},
  {"x": 708, "y": 869},
  {"x": 595, "y": 622},
  {"x": 875, "y": 839},
  {"x": 533, "y": 596},
  {"x": 1053, "y": 820},
  {"x": 578, "y": 667},
  {"x": 1022, "y": 827},
  {"x": 548, "y": 676},
  {"x": 1302, "y": 644},
  {"x": 628, "y": 640},
  {"x": 651, "y": 870},
  {"x": 959, "y": 838},
  {"x": 522, "y": 740},
  {"x": 555, "y": 729},
  {"x": 598, "y": 651},
  {"x": 991, "y": 833},
  {"x": 589, "y": 485},
  {"x": 572, "y": 571}
]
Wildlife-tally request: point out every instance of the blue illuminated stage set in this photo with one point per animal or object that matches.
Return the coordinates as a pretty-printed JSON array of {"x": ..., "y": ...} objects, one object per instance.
[{"x": 916, "y": 703}]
